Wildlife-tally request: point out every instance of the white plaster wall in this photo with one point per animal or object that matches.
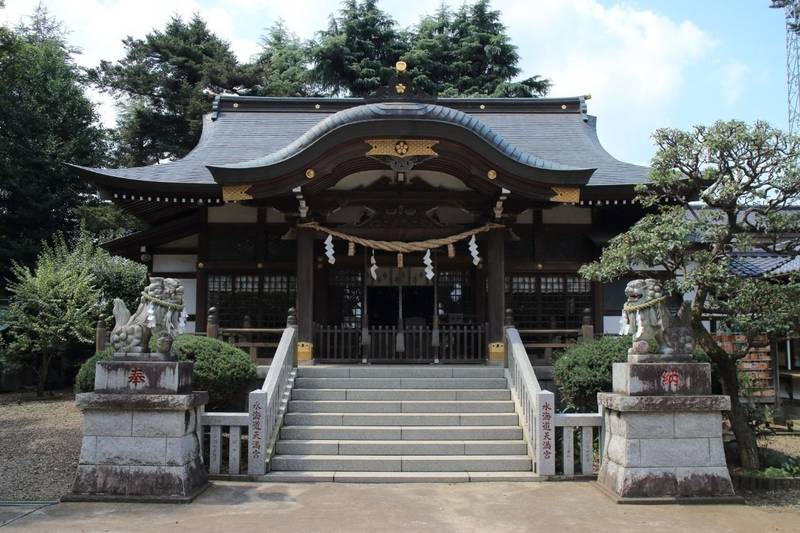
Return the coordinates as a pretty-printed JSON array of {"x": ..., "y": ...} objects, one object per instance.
[
  {"x": 190, "y": 295},
  {"x": 232, "y": 213},
  {"x": 611, "y": 324},
  {"x": 174, "y": 263}
]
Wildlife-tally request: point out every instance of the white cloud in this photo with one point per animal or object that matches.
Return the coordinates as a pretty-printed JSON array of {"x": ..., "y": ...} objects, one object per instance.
[
  {"x": 633, "y": 61},
  {"x": 732, "y": 76}
]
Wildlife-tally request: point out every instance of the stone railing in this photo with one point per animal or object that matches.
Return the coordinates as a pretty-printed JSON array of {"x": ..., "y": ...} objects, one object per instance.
[
  {"x": 255, "y": 430},
  {"x": 540, "y": 420},
  {"x": 268, "y": 404}
]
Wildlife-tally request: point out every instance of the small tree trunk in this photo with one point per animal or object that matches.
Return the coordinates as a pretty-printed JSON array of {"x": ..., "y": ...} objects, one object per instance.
[
  {"x": 43, "y": 370},
  {"x": 728, "y": 370},
  {"x": 745, "y": 438}
]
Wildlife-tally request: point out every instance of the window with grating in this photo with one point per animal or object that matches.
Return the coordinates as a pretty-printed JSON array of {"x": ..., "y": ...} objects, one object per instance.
[
  {"x": 345, "y": 287},
  {"x": 266, "y": 298},
  {"x": 456, "y": 295},
  {"x": 548, "y": 301}
]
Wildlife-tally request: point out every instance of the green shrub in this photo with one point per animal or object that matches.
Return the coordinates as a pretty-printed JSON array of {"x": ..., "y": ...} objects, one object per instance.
[
  {"x": 225, "y": 371},
  {"x": 219, "y": 368},
  {"x": 84, "y": 380},
  {"x": 583, "y": 370}
]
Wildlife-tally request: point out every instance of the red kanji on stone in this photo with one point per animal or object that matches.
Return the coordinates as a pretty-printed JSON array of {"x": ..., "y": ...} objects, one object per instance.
[
  {"x": 670, "y": 380},
  {"x": 136, "y": 376}
]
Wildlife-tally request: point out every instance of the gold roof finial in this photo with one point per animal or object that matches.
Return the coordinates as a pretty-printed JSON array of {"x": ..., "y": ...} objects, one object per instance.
[{"x": 400, "y": 66}]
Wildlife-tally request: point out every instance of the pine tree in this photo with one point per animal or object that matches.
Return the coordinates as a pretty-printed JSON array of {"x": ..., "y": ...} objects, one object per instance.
[
  {"x": 486, "y": 61},
  {"x": 282, "y": 67},
  {"x": 358, "y": 51},
  {"x": 468, "y": 53},
  {"x": 166, "y": 82}
]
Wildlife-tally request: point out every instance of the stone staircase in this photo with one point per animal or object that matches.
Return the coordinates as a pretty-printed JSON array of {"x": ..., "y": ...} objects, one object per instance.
[{"x": 401, "y": 423}]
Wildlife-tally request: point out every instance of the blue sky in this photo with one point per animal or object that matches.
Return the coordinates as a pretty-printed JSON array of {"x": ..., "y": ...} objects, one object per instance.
[{"x": 647, "y": 63}]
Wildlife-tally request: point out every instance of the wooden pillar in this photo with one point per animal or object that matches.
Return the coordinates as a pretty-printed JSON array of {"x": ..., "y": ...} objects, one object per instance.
[
  {"x": 496, "y": 300},
  {"x": 305, "y": 294},
  {"x": 201, "y": 294}
]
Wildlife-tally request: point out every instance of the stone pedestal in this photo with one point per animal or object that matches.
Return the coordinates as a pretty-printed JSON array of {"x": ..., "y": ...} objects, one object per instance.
[
  {"x": 663, "y": 434},
  {"x": 140, "y": 433}
]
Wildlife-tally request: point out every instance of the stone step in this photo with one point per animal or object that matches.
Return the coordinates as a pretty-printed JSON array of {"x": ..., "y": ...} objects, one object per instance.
[
  {"x": 400, "y": 371},
  {"x": 408, "y": 406},
  {"x": 400, "y": 383},
  {"x": 401, "y": 433},
  {"x": 401, "y": 419},
  {"x": 396, "y": 477},
  {"x": 401, "y": 447},
  {"x": 401, "y": 394},
  {"x": 403, "y": 463}
]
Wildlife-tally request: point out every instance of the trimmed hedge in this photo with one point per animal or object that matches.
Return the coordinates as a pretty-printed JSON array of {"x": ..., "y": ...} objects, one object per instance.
[
  {"x": 84, "y": 380},
  {"x": 583, "y": 370},
  {"x": 225, "y": 371}
]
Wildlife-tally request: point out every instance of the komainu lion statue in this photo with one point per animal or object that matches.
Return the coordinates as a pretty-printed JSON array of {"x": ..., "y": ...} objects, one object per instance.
[
  {"x": 645, "y": 316},
  {"x": 160, "y": 314}
]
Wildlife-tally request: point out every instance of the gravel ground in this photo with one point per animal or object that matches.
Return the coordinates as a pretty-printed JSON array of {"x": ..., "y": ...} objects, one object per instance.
[{"x": 40, "y": 442}]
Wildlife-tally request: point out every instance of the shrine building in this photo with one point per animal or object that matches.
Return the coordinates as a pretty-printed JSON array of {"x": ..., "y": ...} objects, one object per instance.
[{"x": 400, "y": 226}]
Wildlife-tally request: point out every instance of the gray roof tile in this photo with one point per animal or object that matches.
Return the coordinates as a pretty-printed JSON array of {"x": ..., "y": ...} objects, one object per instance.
[{"x": 553, "y": 140}]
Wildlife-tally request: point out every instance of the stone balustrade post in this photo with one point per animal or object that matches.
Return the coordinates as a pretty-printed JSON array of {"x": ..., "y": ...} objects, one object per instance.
[
  {"x": 101, "y": 334},
  {"x": 212, "y": 323}
]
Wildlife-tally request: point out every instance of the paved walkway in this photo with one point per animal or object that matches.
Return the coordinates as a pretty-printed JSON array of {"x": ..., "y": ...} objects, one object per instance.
[{"x": 480, "y": 507}]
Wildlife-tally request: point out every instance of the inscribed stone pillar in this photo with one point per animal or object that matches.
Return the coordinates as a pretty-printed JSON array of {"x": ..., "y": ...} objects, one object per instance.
[{"x": 496, "y": 293}]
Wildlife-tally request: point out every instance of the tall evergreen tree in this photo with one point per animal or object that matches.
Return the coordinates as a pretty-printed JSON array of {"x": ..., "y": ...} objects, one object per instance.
[
  {"x": 463, "y": 53},
  {"x": 165, "y": 83},
  {"x": 45, "y": 120},
  {"x": 432, "y": 54},
  {"x": 468, "y": 53},
  {"x": 358, "y": 51},
  {"x": 282, "y": 68}
]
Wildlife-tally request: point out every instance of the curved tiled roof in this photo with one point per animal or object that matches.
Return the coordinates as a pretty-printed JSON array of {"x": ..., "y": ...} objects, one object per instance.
[
  {"x": 529, "y": 132},
  {"x": 420, "y": 112}
]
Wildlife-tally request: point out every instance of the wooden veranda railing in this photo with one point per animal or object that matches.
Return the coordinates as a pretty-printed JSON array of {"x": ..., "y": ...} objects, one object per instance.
[
  {"x": 456, "y": 343},
  {"x": 254, "y": 431},
  {"x": 258, "y": 342},
  {"x": 542, "y": 344}
]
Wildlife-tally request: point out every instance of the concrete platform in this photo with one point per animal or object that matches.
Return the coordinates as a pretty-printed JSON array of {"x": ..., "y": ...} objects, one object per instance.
[{"x": 425, "y": 507}]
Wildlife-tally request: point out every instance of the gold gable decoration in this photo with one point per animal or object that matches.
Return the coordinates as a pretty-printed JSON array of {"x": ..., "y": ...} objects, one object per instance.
[
  {"x": 235, "y": 193},
  {"x": 402, "y": 148},
  {"x": 566, "y": 195}
]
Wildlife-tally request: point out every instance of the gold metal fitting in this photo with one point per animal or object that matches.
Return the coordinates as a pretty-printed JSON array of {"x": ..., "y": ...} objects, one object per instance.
[
  {"x": 200, "y": 265},
  {"x": 310, "y": 173},
  {"x": 316, "y": 106},
  {"x": 482, "y": 106},
  {"x": 492, "y": 174},
  {"x": 563, "y": 106},
  {"x": 236, "y": 104},
  {"x": 400, "y": 66}
]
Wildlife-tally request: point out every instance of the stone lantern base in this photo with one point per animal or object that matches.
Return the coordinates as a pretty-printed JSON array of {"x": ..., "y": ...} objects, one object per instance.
[
  {"x": 663, "y": 435},
  {"x": 141, "y": 438}
]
